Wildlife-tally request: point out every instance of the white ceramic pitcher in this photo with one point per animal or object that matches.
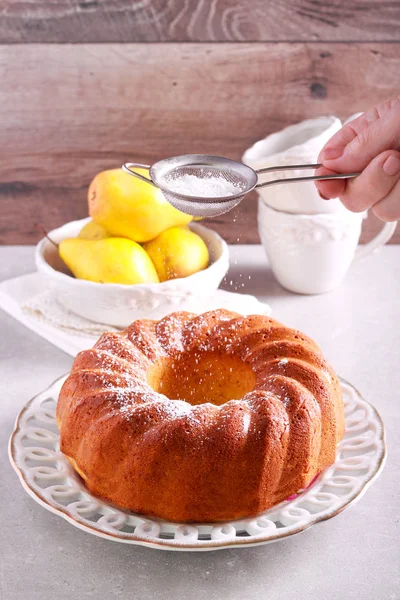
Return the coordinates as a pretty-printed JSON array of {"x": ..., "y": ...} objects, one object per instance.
[
  {"x": 311, "y": 254},
  {"x": 296, "y": 144},
  {"x": 310, "y": 242}
]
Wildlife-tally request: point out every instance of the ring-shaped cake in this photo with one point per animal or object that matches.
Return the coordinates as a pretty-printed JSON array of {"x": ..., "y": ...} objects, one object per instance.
[{"x": 200, "y": 418}]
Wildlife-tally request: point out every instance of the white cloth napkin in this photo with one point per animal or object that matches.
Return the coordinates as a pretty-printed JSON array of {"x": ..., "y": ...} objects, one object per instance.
[{"x": 25, "y": 299}]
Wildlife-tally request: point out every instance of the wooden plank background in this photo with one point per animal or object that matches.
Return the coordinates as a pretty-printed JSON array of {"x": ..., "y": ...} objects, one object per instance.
[
  {"x": 85, "y": 21},
  {"x": 68, "y": 110}
]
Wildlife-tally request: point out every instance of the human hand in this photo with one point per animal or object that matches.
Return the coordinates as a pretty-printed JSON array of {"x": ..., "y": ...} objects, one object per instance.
[{"x": 371, "y": 145}]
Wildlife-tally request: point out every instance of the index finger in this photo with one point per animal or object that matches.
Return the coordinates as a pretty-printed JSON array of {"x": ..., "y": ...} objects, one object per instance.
[
  {"x": 338, "y": 142},
  {"x": 354, "y": 146}
]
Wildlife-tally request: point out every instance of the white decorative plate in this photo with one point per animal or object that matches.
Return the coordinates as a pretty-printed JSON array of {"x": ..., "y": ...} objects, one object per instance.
[{"x": 49, "y": 478}]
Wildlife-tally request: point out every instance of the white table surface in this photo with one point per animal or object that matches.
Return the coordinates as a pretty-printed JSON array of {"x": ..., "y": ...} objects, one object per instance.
[{"x": 355, "y": 556}]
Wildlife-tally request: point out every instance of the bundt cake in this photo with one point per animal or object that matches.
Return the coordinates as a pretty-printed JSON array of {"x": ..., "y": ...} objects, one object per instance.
[{"x": 200, "y": 417}]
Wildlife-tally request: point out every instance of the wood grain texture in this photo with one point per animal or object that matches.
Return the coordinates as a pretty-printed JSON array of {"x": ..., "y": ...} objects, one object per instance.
[
  {"x": 70, "y": 111},
  {"x": 87, "y": 21}
]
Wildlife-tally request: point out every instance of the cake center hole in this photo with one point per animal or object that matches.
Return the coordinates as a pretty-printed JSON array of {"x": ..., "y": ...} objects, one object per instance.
[{"x": 207, "y": 377}]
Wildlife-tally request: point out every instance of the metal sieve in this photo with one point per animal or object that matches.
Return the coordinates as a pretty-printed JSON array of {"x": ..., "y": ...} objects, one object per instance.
[{"x": 204, "y": 166}]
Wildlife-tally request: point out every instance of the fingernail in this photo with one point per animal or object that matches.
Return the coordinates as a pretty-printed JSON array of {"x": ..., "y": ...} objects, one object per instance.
[
  {"x": 331, "y": 153},
  {"x": 391, "y": 166},
  {"x": 322, "y": 196}
]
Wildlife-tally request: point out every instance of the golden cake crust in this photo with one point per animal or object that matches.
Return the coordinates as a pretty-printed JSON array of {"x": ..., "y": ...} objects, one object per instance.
[{"x": 214, "y": 457}]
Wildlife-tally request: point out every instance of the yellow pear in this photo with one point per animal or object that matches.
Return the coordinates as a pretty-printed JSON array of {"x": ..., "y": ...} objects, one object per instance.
[
  {"x": 177, "y": 252},
  {"x": 131, "y": 208},
  {"x": 93, "y": 231},
  {"x": 109, "y": 260}
]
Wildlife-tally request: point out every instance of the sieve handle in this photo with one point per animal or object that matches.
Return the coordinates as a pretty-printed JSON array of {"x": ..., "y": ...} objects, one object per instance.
[
  {"x": 296, "y": 179},
  {"x": 288, "y": 168},
  {"x": 127, "y": 168}
]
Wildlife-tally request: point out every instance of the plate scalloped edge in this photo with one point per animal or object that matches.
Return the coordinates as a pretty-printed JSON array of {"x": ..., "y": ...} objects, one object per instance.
[{"x": 48, "y": 477}]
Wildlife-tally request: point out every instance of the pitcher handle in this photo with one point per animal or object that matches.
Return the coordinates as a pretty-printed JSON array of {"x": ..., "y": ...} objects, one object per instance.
[{"x": 378, "y": 241}]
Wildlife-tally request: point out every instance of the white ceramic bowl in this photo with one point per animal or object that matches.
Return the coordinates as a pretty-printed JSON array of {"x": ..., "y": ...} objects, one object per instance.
[{"x": 116, "y": 304}]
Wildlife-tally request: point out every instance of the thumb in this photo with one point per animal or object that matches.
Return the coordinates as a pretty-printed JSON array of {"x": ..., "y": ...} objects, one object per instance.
[{"x": 329, "y": 188}]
